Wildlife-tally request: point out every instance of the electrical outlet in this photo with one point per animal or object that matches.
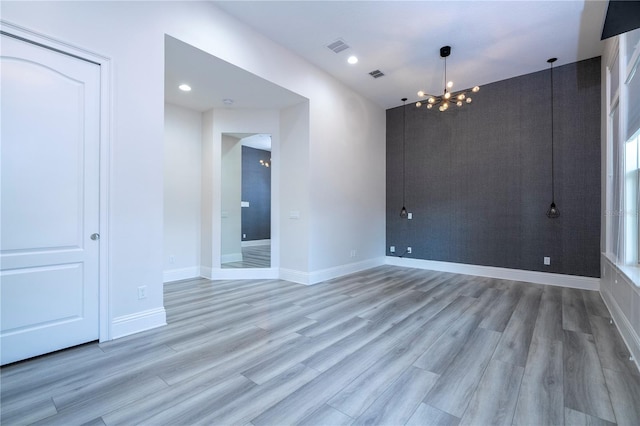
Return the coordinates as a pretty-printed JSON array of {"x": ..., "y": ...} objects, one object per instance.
[
  {"x": 142, "y": 292},
  {"x": 408, "y": 250},
  {"x": 409, "y": 215},
  {"x": 392, "y": 249},
  {"x": 244, "y": 235},
  {"x": 547, "y": 260},
  {"x": 353, "y": 253}
]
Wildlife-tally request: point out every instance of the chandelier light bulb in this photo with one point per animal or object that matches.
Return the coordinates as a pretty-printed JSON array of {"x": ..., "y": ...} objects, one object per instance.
[
  {"x": 431, "y": 100},
  {"x": 418, "y": 104},
  {"x": 476, "y": 89},
  {"x": 459, "y": 103},
  {"x": 450, "y": 84},
  {"x": 468, "y": 100},
  {"x": 421, "y": 94},
  {"x": 461, "y": 96},
  {"x": 429, "y": 106},
  {"x": 447, "y": 95}
]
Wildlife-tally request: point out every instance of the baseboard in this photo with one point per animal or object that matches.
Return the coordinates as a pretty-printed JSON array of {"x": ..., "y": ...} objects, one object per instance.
[
  {"x": 232, "y": 257},
  {"x": 140, "y": 321},
  {"x": 629, "y": 335},
  {"x": 253, "y": 243},
  {"x": 315, "y": 277},
  {"x": 572, "y": 281},
  {"x": 294, "y": 276},
  {"x": 244, "y": 274},
  {"x": 206, "y": 272},
  {"x": 181, "y": 274}
]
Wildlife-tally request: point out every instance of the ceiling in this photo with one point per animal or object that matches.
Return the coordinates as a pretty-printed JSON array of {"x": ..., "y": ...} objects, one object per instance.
[
  {"x": 213, "y": 80},
  {"x": 490, "y": 41}
]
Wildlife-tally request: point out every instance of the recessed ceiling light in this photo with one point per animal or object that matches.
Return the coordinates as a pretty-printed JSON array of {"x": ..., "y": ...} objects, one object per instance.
[
  {"x": 185, "y": 87},
  {"x": 352, "y": 60}
]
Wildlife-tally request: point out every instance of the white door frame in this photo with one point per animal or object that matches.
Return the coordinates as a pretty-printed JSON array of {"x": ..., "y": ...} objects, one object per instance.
[{"x": 105, "y": 155}]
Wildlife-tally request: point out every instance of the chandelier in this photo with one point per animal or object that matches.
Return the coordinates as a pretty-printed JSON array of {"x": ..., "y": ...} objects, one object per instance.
[{"x": 447, "y": 98}]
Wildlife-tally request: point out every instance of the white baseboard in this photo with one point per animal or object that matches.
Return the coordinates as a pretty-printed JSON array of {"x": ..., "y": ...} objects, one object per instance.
[
  {"x": 181, "y": 274},
  {"x": 629, "y": 335},
  {"x": 572, "y": 281},
  {"x": 294, "y": 276},
  {"x": 315, "y": 277},
  {"x": 244, "y": 274},
  {"x": 232, "y": 257},
  {"x": 254, "y": 243},
  {"x": 140, "y": 321},
  {"x": 206, "y": 272}
]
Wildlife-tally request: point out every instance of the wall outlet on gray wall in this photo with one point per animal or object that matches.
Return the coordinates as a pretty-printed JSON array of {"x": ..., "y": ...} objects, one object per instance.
[
  {"x": 547, "y": 260},
  {"x": 392, "y": 249}
]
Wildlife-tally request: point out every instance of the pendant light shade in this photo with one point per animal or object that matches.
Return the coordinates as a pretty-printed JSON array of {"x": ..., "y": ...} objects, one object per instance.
[
  {"x": 403, "y": 211},
  {"x": 553, "y": 212}
]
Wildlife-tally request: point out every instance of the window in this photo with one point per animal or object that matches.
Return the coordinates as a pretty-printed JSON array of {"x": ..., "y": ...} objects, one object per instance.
[{"x": 623, "y": 152}]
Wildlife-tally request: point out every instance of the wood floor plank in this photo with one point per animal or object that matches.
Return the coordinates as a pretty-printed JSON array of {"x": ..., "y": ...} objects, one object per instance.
[
  {"x": 549, "y": 320},
  {"x": 453, "y": 390},
  {"x": 574, "y": 312},
  {"x": 285, "y": 358},
  {"x": 516, "y": 338},
  {"x": 398, "y": 403},
  {"x": 440, "y": 315},
  {"x": 326, "y": 415},
  {"x": 576, "y": 418},
  {"x": 356, "y": 397},
  {"x": 541, "y": 398},
  {"x": 612, "y": 351},
  {"x": 199, "y": 405},
  {"x": 27, "y": 411},
  {"x": 90, "y": 401},
  {"x": 314, "y": 394},
  {"x": 585, "y": 388},
  {"x": 330, "y": 356},
  {"x": 426, "y": 415},
  {"x": 494, "y": 401},
  {"x": 498, "y": 317},
  {"x": 259, "y": 398},
  {"x": 443, "y": 351},
  {"x": 594, "y": 304},
  {"x": 625, "y": 396}
]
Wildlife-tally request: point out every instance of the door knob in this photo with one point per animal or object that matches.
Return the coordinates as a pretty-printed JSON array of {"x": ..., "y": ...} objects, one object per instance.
[{"x": 95, "y": 236}]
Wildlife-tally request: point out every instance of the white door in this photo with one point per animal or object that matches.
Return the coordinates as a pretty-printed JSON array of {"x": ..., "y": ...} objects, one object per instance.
[{"x": 49, "y": 200}]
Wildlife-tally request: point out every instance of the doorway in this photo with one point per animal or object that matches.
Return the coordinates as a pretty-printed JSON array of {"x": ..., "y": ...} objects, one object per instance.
[{"x": 246, "y": 177}]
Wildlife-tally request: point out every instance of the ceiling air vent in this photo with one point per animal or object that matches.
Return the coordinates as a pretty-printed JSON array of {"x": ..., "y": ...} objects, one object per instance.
[
  {"x": 338, "y": 46},
  {"x": 376, "y": 74}
]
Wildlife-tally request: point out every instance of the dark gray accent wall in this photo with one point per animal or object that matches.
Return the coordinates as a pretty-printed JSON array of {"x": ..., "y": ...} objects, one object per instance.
[
  {"x": 256, "y": 189},
  {"x": 478, "y": 179}
]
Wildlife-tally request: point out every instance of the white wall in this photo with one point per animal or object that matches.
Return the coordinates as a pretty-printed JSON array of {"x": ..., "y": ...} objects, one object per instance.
[
  {"x": 346, "y": 137},
  {"x": 182, "y": 192}
]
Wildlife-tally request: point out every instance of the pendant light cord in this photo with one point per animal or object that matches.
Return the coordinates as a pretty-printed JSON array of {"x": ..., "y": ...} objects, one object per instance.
[
  {"x": 404, "y": 150},
  {"x": 553, "y": 192}
]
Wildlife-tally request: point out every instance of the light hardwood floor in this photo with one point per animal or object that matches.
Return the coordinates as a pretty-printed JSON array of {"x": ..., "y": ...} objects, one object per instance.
[
  {"x": 388, "y": 346},
  {"x": 253, "y": 257}
]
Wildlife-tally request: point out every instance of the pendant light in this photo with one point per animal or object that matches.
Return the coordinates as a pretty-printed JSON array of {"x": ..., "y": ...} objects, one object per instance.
[
  {"x": 403, "y": 212},
  {"x": 553, "y": 211}
]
